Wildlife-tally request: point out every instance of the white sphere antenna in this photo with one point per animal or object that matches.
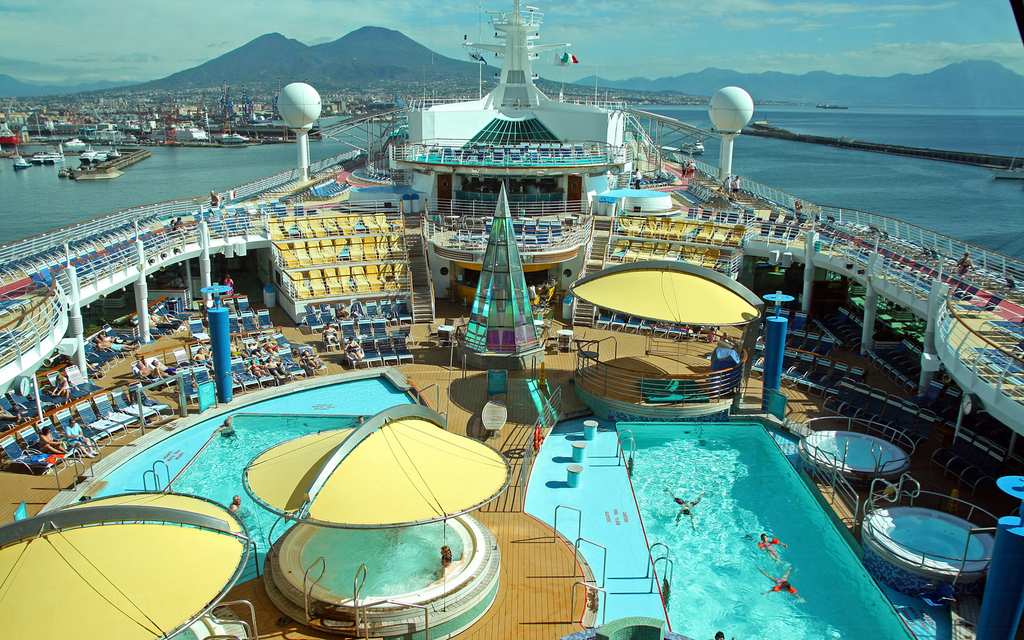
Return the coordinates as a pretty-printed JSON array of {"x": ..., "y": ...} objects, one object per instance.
[
  {"x": 731, "y": 109},
  {"x": 299, "y": 105}
]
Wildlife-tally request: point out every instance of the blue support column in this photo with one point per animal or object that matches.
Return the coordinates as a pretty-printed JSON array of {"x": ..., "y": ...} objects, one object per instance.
[
  {"x": 1003, "y": 602},
  {"x": 220, "y": 347},
  {"x": 774, "y": 347}
]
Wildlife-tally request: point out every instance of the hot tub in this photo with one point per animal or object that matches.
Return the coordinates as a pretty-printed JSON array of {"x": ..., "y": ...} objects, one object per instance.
[
  {"x": 927, "y": 543},
  {"x": 857, "y": 456},
  {"x": 402, "y": 575}
]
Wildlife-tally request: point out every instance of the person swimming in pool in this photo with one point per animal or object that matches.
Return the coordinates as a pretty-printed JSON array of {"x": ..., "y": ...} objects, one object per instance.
[
  {"x": 685, "y": 506},
  {"x": 769, "y": 546},
  {"x": 448, "y": 566},
  {"x": 781, "y": 584}
]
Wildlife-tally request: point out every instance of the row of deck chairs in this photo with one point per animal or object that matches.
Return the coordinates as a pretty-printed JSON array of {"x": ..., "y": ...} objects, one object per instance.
[
  {"x": 819, "y": 343},
  {"x": 861, "y": 401},
  {"x": 628, "y": 324},
  {"x": 844, "y": 327},
  {"x": 900, "y": 363},
  {"x": 104, "y": 417},
  {"x": 972, "y": 459},
  {"x": 814, "y": 373},
  {"x": 393, "y": 312},
  {"x": 383, "y": 352}
]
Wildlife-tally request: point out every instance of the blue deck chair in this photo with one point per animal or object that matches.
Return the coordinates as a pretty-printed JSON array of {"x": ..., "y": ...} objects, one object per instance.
[
  {"x": 249, "y": 323},
  {"x": 402, "y": 350},
  {"x": 94, "y": 422},
  {"x": 372, "y": 355},
  {"x": 31, "y": 461},
  {"x": 105, "y": 410},
  {"x": 263, "y": 319},
  {"x": 126, "y": 404},
  {"x": 388, "y": 354},
  {"x": 195, "y": 326},
  {"x": 940, "y": 596},
  {"x": 243, "y": 303},
  {"x": 314, "y": 322},
  {"x": 618, "y": 323},
  {"x": 241, "y": 376},
  {"x": 402, "y": 312}
]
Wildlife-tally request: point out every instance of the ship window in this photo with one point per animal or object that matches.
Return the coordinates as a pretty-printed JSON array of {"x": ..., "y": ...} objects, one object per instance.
[{"x": 504, "y": 131}]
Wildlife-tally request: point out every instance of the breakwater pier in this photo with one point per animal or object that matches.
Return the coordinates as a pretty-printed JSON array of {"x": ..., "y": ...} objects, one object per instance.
[
  {"x": 110, "y": 169},
  {"x": 765, "y": 130}
]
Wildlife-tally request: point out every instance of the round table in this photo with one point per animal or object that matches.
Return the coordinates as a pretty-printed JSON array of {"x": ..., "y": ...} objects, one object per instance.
[{"x": 565, "y": 337}]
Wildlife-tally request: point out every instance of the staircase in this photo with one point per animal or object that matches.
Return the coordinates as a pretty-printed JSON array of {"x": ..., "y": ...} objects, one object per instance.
[
  {"x": 584, "y": 313},
  {"x": 422, "y": 298}
]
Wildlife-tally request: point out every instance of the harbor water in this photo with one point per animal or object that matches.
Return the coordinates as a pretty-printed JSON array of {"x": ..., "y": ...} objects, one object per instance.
[{"x": 957, "y": 200}]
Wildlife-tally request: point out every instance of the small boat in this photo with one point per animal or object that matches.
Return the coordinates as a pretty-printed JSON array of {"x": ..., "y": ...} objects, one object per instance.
[
  {"x": 1009, "y": 174},
  {"x": 829, "y": 106},
  {"x": 112, "y": 153},
  {"x": 75, "y": 144},
  {"x": 695, "y": 148},
  {"x": 21, "y": 163},
  {"x": 92, "y": 156},
  {"x": 234, "y": 138}
]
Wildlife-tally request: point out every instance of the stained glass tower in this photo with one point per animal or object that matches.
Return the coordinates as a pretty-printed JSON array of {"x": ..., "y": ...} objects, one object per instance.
[{"x": 501, "y": 333}]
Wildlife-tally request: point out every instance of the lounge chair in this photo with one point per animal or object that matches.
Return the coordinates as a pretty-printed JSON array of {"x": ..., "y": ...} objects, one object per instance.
[{"x": 32, "y": 461}]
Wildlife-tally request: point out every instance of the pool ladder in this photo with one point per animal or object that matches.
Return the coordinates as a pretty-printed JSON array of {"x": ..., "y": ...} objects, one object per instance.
[
  {"x": 156, "y": 476},
  {"x": 620, "y": 449},
  {"x": 652, "y": 568}
]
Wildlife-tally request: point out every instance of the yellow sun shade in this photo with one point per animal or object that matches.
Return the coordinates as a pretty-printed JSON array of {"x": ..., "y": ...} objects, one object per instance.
[
  {"x": 403, "y": 471},
  {"x": 119, "y": 579},
  {"x": 670, "y": 296}
]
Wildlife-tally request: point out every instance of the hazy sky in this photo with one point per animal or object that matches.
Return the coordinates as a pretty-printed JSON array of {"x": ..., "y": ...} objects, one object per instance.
[{"x": 77, "y": 42}]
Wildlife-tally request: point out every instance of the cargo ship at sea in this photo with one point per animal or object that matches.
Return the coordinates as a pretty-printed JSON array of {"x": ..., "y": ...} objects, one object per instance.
[{"x": 496, "y": 312}]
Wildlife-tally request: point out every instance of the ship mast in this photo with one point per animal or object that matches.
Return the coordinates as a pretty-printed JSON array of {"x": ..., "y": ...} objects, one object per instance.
[{"x": 519, "y": 31}]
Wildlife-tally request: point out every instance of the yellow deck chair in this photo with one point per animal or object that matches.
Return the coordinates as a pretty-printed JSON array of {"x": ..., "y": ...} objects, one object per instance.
[
  {"x": 647, "y": 251},
  {"x": 355, "y": 250},
  {"x": 661, "y": 250}
]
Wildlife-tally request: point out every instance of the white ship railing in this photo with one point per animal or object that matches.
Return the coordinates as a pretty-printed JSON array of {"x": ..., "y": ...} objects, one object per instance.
[
  {"x": 444, "y": 151},
  {"x": 471, "y": 212},
  {"x": 542, "y": 238},
  {"x": 22, "y": 328}
]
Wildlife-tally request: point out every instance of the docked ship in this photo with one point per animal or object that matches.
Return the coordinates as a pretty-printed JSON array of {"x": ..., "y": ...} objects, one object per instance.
[{"x": 593, "y": 268}]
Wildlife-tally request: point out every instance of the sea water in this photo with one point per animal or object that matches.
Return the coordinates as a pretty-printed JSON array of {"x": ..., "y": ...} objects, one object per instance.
[
  {"x": 957, "y": 200},
  {"x": 747, "y": 487}
]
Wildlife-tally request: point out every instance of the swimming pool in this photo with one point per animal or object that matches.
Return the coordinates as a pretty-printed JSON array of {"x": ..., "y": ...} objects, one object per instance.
[
  {"x": 216, "y": 472},
  {"x": 749, "y": 488}
]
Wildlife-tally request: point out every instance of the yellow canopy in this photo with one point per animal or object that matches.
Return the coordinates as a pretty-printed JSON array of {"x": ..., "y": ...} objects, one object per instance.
[
  {"x": 167, "y": 501},
  {"x": 388, "y": 472},
  {"x": 666, "y": 295},
  {"x": 115, "y": 579}
]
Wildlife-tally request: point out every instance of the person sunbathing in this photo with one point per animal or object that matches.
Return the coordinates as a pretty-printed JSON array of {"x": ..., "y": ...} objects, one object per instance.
[{"x": 50, "y": 444}]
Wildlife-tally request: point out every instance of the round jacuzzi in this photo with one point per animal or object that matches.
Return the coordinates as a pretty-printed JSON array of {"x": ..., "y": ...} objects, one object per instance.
[
  {"x": 857, "y": 456},
  {"x": 928, "y": 543},
  {"x": 402, "y": 576}
]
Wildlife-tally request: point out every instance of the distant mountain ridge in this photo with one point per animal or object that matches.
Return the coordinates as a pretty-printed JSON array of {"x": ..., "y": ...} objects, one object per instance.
[
  {"x": 13, "y": 87},
  {"x": 973, "y": 83},
  {"x": 364, "y": 56}
]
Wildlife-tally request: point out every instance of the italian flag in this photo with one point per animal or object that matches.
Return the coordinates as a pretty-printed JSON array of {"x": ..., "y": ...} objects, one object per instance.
[{"x": 565, "y": 60}]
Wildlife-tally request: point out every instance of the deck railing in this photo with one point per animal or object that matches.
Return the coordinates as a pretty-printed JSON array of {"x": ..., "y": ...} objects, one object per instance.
[
  {"x": 24, "y": 329},
  {"x": 643, "y": 387},
  {"x": 993, "y": 357},
  {"x": 554, "y": 155},
  {"x": 540, "y": 238}
]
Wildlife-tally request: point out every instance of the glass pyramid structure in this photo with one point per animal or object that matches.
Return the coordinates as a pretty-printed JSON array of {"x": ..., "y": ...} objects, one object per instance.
[{"x": 502, "y": 319}]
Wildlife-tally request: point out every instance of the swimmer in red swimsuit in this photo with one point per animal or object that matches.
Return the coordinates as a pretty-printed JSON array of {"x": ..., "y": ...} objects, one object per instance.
[
  {"x": 769, "y": 546},
  {"x": 781, "y": 584}
]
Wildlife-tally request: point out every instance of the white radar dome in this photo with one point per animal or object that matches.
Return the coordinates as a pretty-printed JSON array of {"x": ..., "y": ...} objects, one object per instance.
[
  {"x": 298, "y": 105},
  {"x": 731, "y": 109}
]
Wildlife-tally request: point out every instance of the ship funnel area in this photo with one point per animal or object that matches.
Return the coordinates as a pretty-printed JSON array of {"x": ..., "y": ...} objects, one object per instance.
[{"x": 517, "y": 32}]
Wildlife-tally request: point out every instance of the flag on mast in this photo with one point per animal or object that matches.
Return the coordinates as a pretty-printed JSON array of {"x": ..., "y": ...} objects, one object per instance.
[
  {"x": 565, "y": 60},
  {"x": 477, "y": 57}
]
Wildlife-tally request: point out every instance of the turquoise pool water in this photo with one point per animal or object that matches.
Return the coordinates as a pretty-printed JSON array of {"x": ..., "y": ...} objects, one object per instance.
[
  {"x": 216, "y": 473},
  {"x": 749, "y": 488},
  {"x": 397, "y": 560}
]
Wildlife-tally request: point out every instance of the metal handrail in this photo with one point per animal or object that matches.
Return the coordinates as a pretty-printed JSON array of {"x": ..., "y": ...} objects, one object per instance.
[
  {"x": 604, "y": 556},
  {"x": 967, "y": 545},
  {"x": 650, "y": 556},
  {"x": 603, "y": 376},
  {"x": 307, "y": 593},
  {"x": 156, "y": 476},
  {"x": 632, "y": 449},
  {"x": 253, "y": 631},
  {"x": 668, "y": 572},
  {"x": 357, "y": 588},
  {"x": 448, "y": 151},
  {"x": 579, "y": 526},
  {"x": 458, "y": 237},
  {"x": 815, "y": 455},
  {"x": 587, "y": 585},
  {"x": 437, "y": 394},
  {"x": 426, "y": 614}
]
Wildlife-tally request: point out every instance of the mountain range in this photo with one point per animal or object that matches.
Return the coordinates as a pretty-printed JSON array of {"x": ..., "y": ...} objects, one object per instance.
[
  {"x": 375, "y": 55},
  {"x": 13, "y": 87},
  {"x": 364, "y": 56},
  {"x": 973, "y": 83}
]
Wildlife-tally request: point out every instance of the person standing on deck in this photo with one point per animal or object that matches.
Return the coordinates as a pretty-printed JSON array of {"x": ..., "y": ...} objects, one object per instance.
[{"x": 964, "y": 264}]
